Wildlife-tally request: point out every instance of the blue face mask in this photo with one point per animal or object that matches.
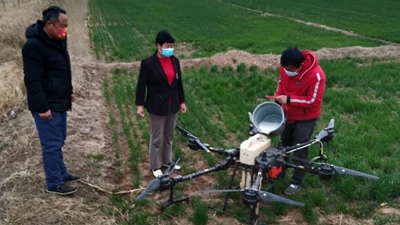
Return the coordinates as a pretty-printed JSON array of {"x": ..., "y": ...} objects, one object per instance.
[
  {"x": 167, "y": 52},
  {"x": 290, "y": 73}
]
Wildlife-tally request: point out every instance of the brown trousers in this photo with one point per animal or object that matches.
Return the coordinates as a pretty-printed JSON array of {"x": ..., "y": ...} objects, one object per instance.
[{"x": 162, "y": 133}]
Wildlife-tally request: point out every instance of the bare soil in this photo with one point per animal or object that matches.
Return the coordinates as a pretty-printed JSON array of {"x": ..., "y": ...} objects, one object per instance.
[{"x": 22, "y": 188}]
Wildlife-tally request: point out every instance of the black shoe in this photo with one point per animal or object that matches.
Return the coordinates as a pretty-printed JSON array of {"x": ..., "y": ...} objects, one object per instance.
[
  {"x": 62, "y": 189},
  {"x": 72, "y": 178},
  {"x": 292, "y": 189}
]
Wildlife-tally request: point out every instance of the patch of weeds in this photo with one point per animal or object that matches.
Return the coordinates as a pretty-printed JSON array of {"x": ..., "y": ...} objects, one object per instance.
[
  {"x": 309, "y": 213},
  {"x": 253, "y": 68},
  {"x": 98, "y": 157},
  {"x": 363, "y": 210},
  {"x": 241, "y": 68},
  {"x": 384, "y": 220},
  {"x": 176, "y": 210},
  {"x": 214, "y": 69},
  {"x": 199, "y": 216}
]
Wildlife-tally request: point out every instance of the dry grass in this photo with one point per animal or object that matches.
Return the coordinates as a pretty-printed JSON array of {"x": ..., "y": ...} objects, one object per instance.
[{"x": 12, "y": 89}]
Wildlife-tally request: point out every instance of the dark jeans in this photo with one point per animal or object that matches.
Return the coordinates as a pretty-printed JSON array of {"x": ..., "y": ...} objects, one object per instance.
[
  {"x": 295, "y": 133},
  {"x": 52, "y": 134}
]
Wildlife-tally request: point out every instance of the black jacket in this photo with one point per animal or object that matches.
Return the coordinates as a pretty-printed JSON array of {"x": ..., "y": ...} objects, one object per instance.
[
  {"x": 153, "y": 78},
  {"x": 47, "y": 71}
]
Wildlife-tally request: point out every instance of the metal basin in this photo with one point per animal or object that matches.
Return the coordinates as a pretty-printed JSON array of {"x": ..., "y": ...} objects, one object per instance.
[{"x": 268, "y": 118}]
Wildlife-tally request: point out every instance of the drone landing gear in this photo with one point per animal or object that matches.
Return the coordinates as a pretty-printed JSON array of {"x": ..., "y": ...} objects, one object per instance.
[
  {"x": 251, "y": 199},
  {"x": 171, "y": 199},
  {"x": 230, "y": 186}
]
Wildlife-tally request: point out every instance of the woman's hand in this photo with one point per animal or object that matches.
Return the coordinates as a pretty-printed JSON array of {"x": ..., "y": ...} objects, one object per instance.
[
  {"x": 183, "y": 107},
  {"x": 140, "y": 111}
]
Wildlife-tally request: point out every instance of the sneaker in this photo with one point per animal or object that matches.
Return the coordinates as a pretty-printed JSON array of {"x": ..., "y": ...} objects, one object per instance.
[
  {"x": 293, "y": 189},
  {"x": 175, "y": 168},
  {"x": 157, "y": 173},
  {"x": 72, "y": 178},
  {"x": 62, "y": 189}
]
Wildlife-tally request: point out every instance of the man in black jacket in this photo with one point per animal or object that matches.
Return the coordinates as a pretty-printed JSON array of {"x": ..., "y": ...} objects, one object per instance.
[{"x": 48, "y": 82}]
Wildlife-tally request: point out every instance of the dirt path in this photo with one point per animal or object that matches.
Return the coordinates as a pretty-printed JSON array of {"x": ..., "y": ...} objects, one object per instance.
[{"x": 22, "y": 196}]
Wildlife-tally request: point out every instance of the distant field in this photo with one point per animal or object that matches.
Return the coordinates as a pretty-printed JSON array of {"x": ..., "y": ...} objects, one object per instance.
[
  {"x": 125, "y": 30},
  {"x": 371, "y": 18}
]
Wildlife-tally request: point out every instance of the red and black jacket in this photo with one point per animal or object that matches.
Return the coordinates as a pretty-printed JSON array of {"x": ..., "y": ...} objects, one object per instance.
[{"x": 305, "y": 90}]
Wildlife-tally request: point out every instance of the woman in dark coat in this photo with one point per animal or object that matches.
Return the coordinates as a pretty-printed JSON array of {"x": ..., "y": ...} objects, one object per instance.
[{"x": 160, "y": 76}]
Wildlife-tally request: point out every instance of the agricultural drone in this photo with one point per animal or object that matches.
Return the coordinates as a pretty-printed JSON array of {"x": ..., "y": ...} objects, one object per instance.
[{"x": 260, "y": 162}]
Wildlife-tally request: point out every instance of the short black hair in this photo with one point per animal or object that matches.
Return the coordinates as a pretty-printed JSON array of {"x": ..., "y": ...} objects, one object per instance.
[
  {"x": 52, "y": 13},
  {"x": 292, "y": 56},
  {"x": 164, "y": 37}
]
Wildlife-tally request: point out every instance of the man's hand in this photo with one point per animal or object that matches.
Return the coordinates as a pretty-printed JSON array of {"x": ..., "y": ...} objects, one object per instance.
[
  {"x": 282, "y": 99},
  {"x": 140, "y": 111},
  {"x": 72, "y": 97},
  {"x": 46, "y": 115},
  {"x": 183, "y": 107}
]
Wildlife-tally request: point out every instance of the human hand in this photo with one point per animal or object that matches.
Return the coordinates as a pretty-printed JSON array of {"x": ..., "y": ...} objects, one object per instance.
[
  {"x": 270, "y": 97},
  {"x": 46, "y": 115},
  {"x": 72, "y": 97},
  {"x": 282, "y": 99},
  {"x": 183, "y": 107},
  {"x": 140, "y": 111}
]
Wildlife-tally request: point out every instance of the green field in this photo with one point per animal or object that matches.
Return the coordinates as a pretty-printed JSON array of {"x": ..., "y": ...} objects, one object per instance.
[
  {"x": 126, "y": 30},
  {"x": 374, "y": 19},
  {"x": 366, "y": 132},
  {"x": 362, "y": 95}
]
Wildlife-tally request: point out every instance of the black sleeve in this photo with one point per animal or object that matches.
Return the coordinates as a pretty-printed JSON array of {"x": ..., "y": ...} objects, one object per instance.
[
  {"x": 141, "y": 84},
  {"x": 181, "y": 92},
  {"x": 33, "y": 69}
]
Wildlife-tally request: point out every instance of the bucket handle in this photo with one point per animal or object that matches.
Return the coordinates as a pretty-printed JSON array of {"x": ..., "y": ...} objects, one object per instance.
[{"x": 251, "y": 117}]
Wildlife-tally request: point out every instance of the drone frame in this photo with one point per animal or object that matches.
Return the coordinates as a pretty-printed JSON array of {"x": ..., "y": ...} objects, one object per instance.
[{"x": 264, "y": 162}]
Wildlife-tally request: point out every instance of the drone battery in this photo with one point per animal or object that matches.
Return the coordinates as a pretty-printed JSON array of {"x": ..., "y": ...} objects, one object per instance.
[{"x": 253, "y": 147}]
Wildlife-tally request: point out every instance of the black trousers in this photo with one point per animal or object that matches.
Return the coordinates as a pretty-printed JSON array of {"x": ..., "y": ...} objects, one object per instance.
[{"x": 295, "y": 133}]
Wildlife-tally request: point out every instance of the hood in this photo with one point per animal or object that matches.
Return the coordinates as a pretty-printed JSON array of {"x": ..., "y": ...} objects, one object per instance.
[
  {"x": 310, "y": 62},
  {"x": 36, "y": 31}
]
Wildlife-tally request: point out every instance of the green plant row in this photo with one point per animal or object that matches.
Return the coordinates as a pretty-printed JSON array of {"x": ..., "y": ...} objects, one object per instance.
[
  {"x": 362, "y": 97},
  {"x": 375, "y": 19},
  {"x": 125, "y": 30}
]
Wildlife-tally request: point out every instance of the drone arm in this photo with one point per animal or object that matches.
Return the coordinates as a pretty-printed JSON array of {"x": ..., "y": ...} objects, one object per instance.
[
  {"x": 307, "y": 168},
  {"x": 299, "y": 146},
  {"x": 226, "y": 152},
  {"x": 222, "y": 166}
]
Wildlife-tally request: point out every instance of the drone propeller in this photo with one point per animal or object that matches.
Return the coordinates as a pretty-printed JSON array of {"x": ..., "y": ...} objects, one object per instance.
[
  {"x": 264, "y": 195},
  {"x": 331, "y": 124},
  {"x": 171, "y": 167},
  {"x": 189, "y": 135},
  {"x": 345, "y": 171},
  {"x": 156, "y": 183},
  {"x": 326, "y": 134}
]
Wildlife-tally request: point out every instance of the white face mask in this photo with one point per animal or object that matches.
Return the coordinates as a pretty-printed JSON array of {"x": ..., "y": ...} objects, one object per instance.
[{"x": 290, "y": 73}]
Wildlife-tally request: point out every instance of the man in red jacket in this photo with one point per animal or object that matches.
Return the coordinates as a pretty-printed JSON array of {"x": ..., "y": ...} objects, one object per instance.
[{"x": 300, "y": 92}]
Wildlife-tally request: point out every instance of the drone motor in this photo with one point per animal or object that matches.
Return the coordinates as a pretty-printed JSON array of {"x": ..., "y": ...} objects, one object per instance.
[{"x": 326, "y": 172}]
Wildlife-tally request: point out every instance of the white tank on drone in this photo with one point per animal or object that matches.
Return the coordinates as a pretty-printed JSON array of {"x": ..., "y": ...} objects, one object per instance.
[{"x": 252, "y": 147}]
